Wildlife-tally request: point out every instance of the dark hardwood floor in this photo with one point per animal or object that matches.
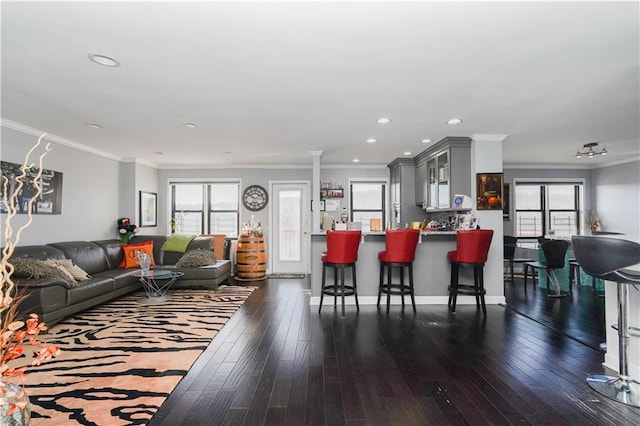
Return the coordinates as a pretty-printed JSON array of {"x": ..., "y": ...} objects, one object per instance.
[
  {"x": 579, "y": 315},
  {"x": 278, "y": 361}
]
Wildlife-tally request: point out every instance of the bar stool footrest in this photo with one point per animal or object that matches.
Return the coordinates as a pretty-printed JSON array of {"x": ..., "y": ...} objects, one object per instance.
[
  {"x": 468, "y": 289},
  {"x": 395, "y": 289},
  {"x": 336, "y": 290}
]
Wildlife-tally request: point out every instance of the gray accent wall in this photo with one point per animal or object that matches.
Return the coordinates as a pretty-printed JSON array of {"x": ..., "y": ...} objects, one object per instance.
[
  {"x": 616, "y": 191},
  {"x": 90, "y": 192}
]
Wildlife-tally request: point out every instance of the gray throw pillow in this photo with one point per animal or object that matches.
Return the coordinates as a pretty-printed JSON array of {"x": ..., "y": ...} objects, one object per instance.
[
  {"x": 197, "y": 258},
  {"x": 34, "y": 268}
]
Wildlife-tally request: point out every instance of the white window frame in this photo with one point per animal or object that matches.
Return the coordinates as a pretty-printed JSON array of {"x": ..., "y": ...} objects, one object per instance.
[{"x": 206, "y": 203}]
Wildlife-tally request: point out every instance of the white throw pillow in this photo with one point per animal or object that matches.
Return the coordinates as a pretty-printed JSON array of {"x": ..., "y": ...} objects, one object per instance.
[{"x": 76, "y": 272}]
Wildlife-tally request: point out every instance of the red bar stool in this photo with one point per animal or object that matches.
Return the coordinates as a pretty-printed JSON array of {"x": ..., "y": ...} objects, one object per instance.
[
  {"x": 472, "y": 250},
  {"x": 342, "y": 251},
  {"x": 400, "y": 252}
]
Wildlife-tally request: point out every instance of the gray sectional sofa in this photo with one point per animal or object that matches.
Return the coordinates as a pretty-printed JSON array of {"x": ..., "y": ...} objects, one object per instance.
[{"x": 53, "y": 299}]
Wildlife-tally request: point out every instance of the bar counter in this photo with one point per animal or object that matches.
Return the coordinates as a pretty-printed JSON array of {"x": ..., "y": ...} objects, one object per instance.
[{"x": 431, "y": 270}]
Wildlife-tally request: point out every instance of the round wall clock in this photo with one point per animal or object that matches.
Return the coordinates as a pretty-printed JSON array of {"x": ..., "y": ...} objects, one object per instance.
[{"x": 255, "y": 198}]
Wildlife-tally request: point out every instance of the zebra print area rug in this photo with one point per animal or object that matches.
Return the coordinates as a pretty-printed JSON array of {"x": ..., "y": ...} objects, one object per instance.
[{"x": 121, "y": 360}]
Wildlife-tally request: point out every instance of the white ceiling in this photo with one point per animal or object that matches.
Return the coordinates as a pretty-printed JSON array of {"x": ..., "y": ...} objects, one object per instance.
[{"x": 267, "y": 82}]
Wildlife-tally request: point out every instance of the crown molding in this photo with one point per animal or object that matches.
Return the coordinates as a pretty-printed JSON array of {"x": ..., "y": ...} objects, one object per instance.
[
  {"x": 57, "y": 139},
  {"x": 571, "y": 166}
]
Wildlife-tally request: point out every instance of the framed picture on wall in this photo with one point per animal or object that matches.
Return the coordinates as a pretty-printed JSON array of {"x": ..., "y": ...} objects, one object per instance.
[
  {"x": 332, "y": 205},
  {"x": 148, "y": 209},
  {"x": 489, "y": 190},
  {"x": 507, "y": 204},
  {"x": 331, "y": 193}
]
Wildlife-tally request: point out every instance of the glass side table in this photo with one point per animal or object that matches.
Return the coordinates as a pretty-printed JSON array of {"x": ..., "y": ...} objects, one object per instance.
[{"x": 156, "y": 284}]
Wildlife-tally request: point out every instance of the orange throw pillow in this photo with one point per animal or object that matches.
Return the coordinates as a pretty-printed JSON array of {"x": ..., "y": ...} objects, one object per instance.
[{"x": 129, "y": 260}]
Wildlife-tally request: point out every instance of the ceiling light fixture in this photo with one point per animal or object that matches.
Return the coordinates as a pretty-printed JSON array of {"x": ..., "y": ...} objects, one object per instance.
[
  {"x": 406, "y": 153},
  {"x": 371, "y": 140},
  {"x": 454, "y": 121},
  {"x": 426, "y": 140},
  {"x": 94, "y": 125},
  {"x": 383, "y": 120},
  {"x": 356, "y": 160},
  {"x": 190, "y": 125},
  {"x": 591, "y": 150},
  {"x": 104, "y": 60}
]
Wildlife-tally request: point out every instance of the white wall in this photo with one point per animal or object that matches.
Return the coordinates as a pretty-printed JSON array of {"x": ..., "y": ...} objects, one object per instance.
[
  {"x": 90, "y": 192},
  {"x": 616, "y": 191}
]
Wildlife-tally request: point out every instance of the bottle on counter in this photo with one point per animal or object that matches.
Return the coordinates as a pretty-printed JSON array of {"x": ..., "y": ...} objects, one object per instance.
[{"x": 344, "y": 216}]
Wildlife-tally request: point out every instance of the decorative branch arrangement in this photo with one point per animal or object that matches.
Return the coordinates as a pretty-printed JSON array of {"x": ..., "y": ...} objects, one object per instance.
[
  {"x": 10, "y": 201},
  {"x": 13, "y": 338}
]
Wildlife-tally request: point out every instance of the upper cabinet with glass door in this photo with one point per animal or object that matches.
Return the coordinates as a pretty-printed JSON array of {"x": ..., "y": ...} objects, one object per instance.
[{"x": 448, "y": 172}]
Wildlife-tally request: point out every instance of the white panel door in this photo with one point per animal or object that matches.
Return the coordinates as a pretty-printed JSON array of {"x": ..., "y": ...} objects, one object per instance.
[{"x": 290, "y": 237}]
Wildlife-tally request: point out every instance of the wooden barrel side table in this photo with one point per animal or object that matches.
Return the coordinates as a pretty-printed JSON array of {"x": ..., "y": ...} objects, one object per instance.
[{"x": 251, "y": 259}]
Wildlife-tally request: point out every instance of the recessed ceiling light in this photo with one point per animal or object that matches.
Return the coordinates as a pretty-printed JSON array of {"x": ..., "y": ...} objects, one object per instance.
[
  {"x": 371, "y": 140},
  {"x": 190, "y": 125},
  {"x": 103, "y": 60},
  {"x": 454, "y": 121},
  {"x": 356, "y": 160},
  {"x": 94, "y": 125},
  {"x": 158, "y": 152},
  {"x": 426, "y": 140},
  {"x": 383, "y": 120},
  {"x": 406, "y": 153}
]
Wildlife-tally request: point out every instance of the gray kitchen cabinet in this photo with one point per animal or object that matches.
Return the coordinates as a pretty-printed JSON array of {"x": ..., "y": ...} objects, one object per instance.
[
  {"x": 447, "y": 171},
  {"x": 402, "y": 193}
]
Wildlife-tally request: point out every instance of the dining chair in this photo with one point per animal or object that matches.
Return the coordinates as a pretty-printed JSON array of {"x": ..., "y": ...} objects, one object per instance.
[
  {"x": 555, "y": 252},
  {"x": 510, "y": 244}
]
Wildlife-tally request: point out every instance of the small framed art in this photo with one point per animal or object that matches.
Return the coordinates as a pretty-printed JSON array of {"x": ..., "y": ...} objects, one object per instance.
[
  {"x": 506, "y": 214},
  {"x": 148, "y": 209}
]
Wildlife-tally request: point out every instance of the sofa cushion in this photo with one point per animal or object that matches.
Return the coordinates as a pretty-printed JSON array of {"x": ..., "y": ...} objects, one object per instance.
[
  {"x": 197, "y": 258},
  {"x": 77, "y": 273},
  {"x": 37, "y": 252},
  {"x": 35, "y": 268},
  {"x": 220, "y": 269},
  {"x": 178, "y": 243},
  {"x": 113, "y": 250},
  {"x": 130, "y": 259},
  {"x": 158, "y": 241},
  {"x": 89, "y": 289},
  {"x": 58, "y": 264},
  {"x": 121, "y": 277},
  {"x": 87, "y": 255},
  {"x": 198, "y": 243}
]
